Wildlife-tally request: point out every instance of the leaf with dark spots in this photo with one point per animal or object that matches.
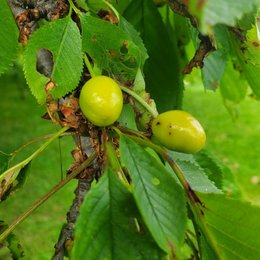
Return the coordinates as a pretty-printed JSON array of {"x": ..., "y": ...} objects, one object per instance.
[
  {"x": 64, "y": 51},
  {"x": 112, "y": 48}
]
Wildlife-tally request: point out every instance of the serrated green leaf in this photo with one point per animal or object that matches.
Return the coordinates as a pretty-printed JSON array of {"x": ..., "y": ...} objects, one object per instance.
[
  {"x": 104, "y": 230},
  {"x": 13, "y": 181},
  {"x": 213, "y": 12},
  {"x": 231, "y": 227},
  {"x": 9, "y": 36},
  {"x": 4, "y": 161},
  {"x": 197, "y": 178},
  {"x": 162, "y": 69},
  {"x": 127, "y": 116},
  {"x": 213, "y": 69},
  {"x": 233, "y": 88},
  {"x": 211, "y": 166},
  {"x": 247, "y": 54},
  {"x": 10, "y": 178},
  {"x": 112, "y": 48},
  {"x": 252, "y": 47},
  {"x": 221, "y": 34},
  {"x": 62, "y": 38},
  {"x": 15, "y": 247},
  {"x": 10, "y": 248},
  {"x": 5, "y": 253},
  {"x": 248, "y": 20},
  {"x": 181, "y": 156},
  {"x": 252, "y": 75},
  {"x": 219, "y": 173},
  {"x": 159, "y": 198},
  {"x": 135, "y": 36}
]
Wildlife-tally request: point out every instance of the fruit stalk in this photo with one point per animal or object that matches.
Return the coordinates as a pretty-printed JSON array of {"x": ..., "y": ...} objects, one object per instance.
[{"x": 153, "y": 112}]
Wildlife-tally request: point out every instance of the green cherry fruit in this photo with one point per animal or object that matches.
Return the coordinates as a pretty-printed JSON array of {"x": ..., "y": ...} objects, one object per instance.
[
  {"x": 179, "y": 131},
  {"x": 101, "y": 101}
]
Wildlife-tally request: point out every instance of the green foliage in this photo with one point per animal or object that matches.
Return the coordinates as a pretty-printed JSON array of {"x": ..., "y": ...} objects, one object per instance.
[
  {"x": 112, "y": 47},
  {"x": 14, "y": 177},
  {"x": 233, "y": 88},
  {"x": 229, "y": 227},
  {"x": 211, "y": 166},
  {"x": 248, "y": 53},
  {"x": 236, "y": 60},
  {"x": 15, "y": 247},
  {"x": 162, "y": 69},
  {"x": 107, "y": 225},
  {"x": 197, "y": 178},
  {"x": 63, "y": 40},
  {"x": 157, "y": 195},
  {"x": 213, "y": 12},
  {"x": 213, "y": 69},
  {"x": 9, "y": 36},
  {"x": 127, "y": 117},
  {"x": 139, "y": 202},
  {"x": 11, "y": 248}
]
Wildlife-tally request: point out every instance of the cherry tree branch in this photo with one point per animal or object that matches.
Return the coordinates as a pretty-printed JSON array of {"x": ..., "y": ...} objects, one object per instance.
[
  {"x": 66, "y": 237},
  {"x": 205, "y": 45}
]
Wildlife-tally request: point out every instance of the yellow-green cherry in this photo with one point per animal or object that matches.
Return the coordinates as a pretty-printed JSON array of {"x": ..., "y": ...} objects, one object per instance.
[
  {"x": 179, "y": 131},
  {"x": 101, "y": 101}
]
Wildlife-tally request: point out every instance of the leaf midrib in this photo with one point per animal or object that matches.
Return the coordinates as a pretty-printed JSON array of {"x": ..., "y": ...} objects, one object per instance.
[{"x": 147, "y": 195}]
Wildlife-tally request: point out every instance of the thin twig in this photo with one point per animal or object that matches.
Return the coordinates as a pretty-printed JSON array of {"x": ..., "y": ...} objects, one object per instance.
[
  {"x": 89, "y": 66},
  {"x": 20, "y": 219},
  {"x": 205, "y": 45}
]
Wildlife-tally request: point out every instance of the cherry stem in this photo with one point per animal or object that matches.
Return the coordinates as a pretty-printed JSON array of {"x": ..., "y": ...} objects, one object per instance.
[
  {"x": 20, "y": 219},
  {"x": 130, "y": 92},
  {"x": 112, "y": 8},
  {"x": 90, "y": 69},
  {"x": 72, "y": 6}
]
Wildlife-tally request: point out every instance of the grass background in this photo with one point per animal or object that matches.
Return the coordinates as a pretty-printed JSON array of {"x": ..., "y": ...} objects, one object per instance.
[{"x": 235, "y": 144}]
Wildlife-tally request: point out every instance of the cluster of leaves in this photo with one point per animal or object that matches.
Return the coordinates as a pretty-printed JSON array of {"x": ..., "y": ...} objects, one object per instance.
[
  {"x": 147, "y": 205},
  {"x": 234, "y": 65}
]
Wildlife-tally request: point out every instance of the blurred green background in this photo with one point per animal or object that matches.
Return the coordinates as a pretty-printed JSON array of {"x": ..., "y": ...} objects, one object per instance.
[{"x": 235, "y": 144}]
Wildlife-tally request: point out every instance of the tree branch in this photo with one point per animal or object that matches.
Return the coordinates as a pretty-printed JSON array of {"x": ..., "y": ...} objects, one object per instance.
[
  {"x": 65, "y": 241},
  {"x": 28, "y": 13},
  {"x": 205, "y": 45}
]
